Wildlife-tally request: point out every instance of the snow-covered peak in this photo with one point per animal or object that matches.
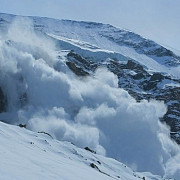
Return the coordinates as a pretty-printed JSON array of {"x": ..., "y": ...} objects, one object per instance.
[{"x": 106, "y": 37}]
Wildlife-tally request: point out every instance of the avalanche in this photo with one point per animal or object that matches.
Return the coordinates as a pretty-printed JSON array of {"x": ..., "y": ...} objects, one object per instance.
[{"x": 43, "y": 93}]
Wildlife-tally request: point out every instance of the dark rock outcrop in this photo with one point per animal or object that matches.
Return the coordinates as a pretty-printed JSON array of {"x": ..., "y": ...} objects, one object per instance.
[{"x": 3, "y": 101}]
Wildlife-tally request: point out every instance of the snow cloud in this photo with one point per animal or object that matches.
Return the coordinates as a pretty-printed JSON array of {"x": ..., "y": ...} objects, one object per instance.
[{"x": 89, "y": 111}]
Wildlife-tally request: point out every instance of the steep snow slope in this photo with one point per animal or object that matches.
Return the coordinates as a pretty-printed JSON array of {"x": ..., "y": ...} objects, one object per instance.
[
  {"x": 28, "y": 155},
  {"x": 107, "y": 37},
  {"x": 123, "y": 54}
]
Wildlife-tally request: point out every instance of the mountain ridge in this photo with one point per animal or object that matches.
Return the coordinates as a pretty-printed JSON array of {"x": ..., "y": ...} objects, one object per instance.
[{"x": 126, "y": 35}]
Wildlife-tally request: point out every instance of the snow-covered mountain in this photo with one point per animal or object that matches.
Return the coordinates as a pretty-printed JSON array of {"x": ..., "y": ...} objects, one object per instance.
[{"x": 93, "y": 85}]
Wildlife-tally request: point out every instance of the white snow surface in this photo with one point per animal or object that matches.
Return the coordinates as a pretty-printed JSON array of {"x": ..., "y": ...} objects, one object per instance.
[{"x": 28, "y": 155}]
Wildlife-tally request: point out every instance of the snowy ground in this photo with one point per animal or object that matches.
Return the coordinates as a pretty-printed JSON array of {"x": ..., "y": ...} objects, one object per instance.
[{"x": 28, "y": 155}]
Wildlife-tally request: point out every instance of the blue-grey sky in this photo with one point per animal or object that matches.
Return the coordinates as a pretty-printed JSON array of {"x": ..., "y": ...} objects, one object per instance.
[{"x": 158, "y": 20}]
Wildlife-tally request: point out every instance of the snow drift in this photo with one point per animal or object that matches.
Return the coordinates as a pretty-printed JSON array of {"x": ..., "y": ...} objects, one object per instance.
[{"x": 90, "y": 111}]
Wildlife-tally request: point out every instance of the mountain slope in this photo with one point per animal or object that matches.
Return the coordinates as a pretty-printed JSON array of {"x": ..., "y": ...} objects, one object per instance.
[
  {"x": 77, "y": 83},
  {"x": 105, "y": 37},
  {"x": 99, "y": 43},
  {"x": 28, "y": 155}
]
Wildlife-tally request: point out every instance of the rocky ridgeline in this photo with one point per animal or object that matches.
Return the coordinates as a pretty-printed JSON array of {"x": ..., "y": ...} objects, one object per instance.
[
  {"x": 139, "y": 44},
  {"x": 115, "y": 35},
  {"x": 140, "y": 83}
]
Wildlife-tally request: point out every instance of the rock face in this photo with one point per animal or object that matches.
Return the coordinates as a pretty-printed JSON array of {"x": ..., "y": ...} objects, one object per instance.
[
  {"x": 3, "y": 101},
  {"x": 141, "y": 84}
]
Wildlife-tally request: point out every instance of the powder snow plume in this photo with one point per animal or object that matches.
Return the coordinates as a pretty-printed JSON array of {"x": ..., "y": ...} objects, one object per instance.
[{"x": 90, "y": 111}]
